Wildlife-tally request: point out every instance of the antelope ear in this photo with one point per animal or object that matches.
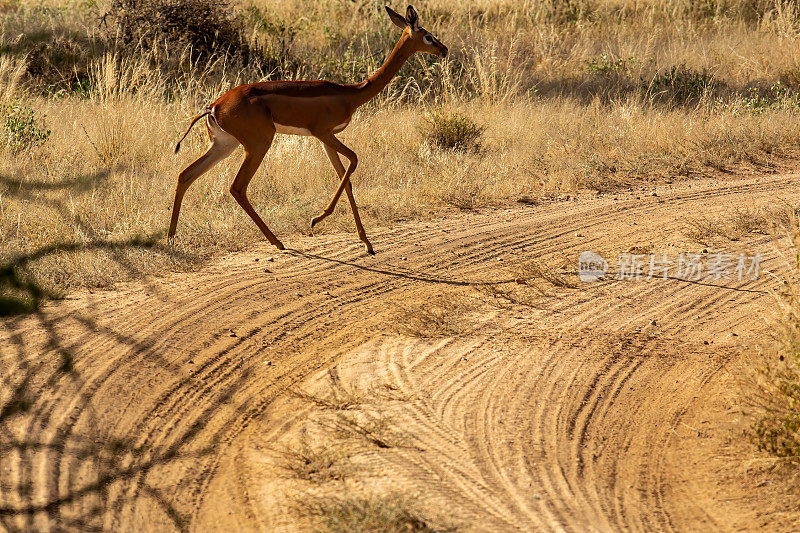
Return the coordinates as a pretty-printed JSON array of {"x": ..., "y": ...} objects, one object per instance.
[
  {"x": 397, "y": 18},
  {"x": 411, "y": 17}
]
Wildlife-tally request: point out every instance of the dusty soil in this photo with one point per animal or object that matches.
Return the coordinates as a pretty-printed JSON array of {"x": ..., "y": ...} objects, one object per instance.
[{"x": 166, "y": 404}]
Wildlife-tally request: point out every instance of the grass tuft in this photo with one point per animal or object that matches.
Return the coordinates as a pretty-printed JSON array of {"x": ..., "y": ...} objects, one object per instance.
[
  {"x": 339, "y": 399},
  {"x": 315, "y": 464},
  {"x": 452, "y": 131},
  {"x": 376, "y": 429},
  {"x": 530, "y": 271},
  {"x": 736, "y": 224},
  {"x": 391, "y": 513},
  {"x": 441, "y": 316},
  {"x": 682, "y": 85}
]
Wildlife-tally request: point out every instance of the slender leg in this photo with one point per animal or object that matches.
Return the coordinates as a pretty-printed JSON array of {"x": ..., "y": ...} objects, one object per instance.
[
  {"x": 252, "y": 159},
  {"x": 221, "y": 147},
  {"x": 330, "y": 140},
  {"x": 333, "y": 155}
]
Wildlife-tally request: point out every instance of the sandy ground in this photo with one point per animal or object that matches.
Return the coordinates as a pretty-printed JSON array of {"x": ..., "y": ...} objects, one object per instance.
[{"x": 168, "y": 403}]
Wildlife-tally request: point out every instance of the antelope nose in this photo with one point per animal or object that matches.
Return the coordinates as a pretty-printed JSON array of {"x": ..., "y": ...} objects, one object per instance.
[{"x": 443, "y": 53}]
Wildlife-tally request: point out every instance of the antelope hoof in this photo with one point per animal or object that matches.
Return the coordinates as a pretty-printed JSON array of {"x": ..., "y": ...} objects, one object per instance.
[
  {"x": 279, "y": 245},
  {"x": 369, "y": 249},
  {"x": 316, "y": 219}
]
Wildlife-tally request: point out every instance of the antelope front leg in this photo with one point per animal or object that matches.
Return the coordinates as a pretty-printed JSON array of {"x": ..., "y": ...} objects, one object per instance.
[
  {"x": 333, "y": 155},
  {"x": 329, "y": 139}
]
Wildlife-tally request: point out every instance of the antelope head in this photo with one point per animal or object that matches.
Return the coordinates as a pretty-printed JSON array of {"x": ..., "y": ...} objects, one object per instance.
[{"x": 421, "y": 38}]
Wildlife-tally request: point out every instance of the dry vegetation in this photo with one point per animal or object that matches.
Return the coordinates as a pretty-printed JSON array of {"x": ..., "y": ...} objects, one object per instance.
[
  {"x": 441, "y": 316},
  {"x": 736, "y": 224},
  {"x": 326, "y": 464},
  {"x": 771, "y": 377},
  {"x": 392, "y": 513},
  {"x": 314, "y": 463},
  {"x": 773, "y": 388},
  {"x": 536, "y": 97}
]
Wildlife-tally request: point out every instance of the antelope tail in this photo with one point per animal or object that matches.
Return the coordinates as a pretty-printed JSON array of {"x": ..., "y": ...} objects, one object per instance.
[{"x": 206, "y": 111}]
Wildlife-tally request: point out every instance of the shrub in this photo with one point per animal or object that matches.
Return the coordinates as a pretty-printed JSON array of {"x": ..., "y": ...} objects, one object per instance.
[
  {"x": 18, "y": 295},
  {"x": 60, "y": 62},
  {"x": 746, "y": 10},
  {"x": 567, "y": 11},
  {"x": 206, "y": 27},
  {"x": 20, "y": 127},
  {"x": 603, "y": 65},
  {"x": 682, "y": 84},
  {"x": 779, "y": 96},
  {"x": 452, "y": 131}
]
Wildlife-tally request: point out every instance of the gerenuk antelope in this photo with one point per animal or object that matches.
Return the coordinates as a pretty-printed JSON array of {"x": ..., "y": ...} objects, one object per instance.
[{"x": 252, "y": 114}]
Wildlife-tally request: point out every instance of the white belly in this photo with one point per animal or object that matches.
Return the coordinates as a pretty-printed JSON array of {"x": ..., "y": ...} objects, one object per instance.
[{"x": 293, "y": 130}]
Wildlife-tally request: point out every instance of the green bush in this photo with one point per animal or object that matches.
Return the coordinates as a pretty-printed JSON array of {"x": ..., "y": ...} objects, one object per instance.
[
  {"x": 603, "y": 65},
  {"x": 779, "y": 96},
  {"x": 21, "y": 129},
  {"x": 452, "y": 131},
  {"x": 682, "y": 84}
]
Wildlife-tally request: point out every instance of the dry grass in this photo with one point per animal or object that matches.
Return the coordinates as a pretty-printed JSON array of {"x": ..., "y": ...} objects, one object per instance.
[
  {"x": 707, "y": 232},
  {"x": 572, "y": 95},
  {"x": 348, "y": 426},
  {"x": 773, "y": 385},
  {"x": 388, "y": 513},
  {"x": 354, "y": 416},
  {"x": 530, "y": 271},
  {"x": 532, "y": 281},
  {"x": 736, "y": 224},
  {"x": 373, "y": 428},
  {"x": 339, "y": 399},
  {"x": 315, "y": 463},
  {"x": 506, "y": 295},
  {"x": 441, "y": 316}
]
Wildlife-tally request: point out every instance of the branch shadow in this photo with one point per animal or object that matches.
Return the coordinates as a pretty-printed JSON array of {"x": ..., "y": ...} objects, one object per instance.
[
  {"x": 62, "y": 465},
  {"x": 20, "y": 292}
]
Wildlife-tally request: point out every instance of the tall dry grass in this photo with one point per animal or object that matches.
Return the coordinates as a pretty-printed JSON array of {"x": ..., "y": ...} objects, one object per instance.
[
  {"x": 571, "y": 94},
  {"x": 772, "y": 385}
]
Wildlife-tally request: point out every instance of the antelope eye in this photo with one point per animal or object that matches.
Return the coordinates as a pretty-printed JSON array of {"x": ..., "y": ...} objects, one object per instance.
[{"x": 428, "y": 39}]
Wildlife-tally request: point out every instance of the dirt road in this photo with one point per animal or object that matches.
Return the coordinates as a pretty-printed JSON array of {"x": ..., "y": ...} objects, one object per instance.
[{"x": 611, "y": 406}]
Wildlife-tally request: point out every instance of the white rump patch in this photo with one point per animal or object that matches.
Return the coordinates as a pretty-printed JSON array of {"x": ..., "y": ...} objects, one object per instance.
[{"x": 222, "y": 138}]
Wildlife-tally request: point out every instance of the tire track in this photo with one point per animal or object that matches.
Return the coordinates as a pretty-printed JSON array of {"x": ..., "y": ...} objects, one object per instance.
[{"x": 132, "y": 373}]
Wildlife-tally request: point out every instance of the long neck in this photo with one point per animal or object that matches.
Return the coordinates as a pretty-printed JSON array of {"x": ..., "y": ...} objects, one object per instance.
[{"x": 378, "y": 81}]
